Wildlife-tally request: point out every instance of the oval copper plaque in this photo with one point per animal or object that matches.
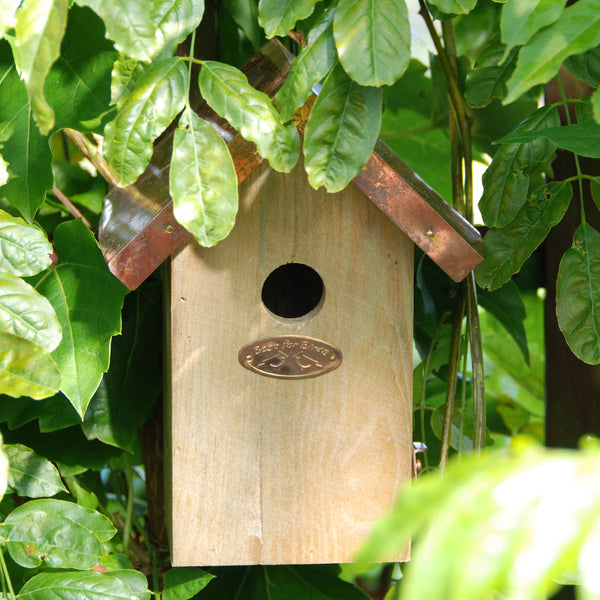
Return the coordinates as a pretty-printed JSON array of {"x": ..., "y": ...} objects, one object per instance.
[{"x": 290, "y": 356}]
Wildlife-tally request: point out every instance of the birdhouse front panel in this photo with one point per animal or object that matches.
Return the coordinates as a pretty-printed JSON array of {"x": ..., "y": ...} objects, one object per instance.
[{"x": 290, "y": 418}]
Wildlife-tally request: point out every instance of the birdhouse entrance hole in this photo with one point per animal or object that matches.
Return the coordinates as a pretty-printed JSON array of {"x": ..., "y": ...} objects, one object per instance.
[{"x": 293, "y": 291}]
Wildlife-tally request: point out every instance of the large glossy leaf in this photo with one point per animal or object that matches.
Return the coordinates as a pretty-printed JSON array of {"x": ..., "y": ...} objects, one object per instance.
[
  {"x": 131, "y": 387},
  {"x": 24, "y": 249},
  {"x": 456, "y": 7},
  {"x": 577, "y": 302},
  {"x": 116, "y": 585},
  {"x": 26, "y": 313},
  {"x": 372, "y": 39},
  {"x": 202, "y": 180},
  {"x": 309, "y": 67},
  {"x": 485, "y": 518},
  {"x": 277, "y": 17},
  {"x": 87, "y": 299},
  {"x": 576, "y": 31},
  {"x": 21, "y": 143},
  {"x": 31, "y": 475},
  {"x": 174, "y": 21},
  {"x": 580, "y": 138},
  {"x": 125, "y": 73},
  {"x": 341, "y": 131},
  {"x": 57, "y": 533},
  {"x": 39, "y": 31},
  {"x": 55, "y": 412},
  {"x": 284, "y": 582},
  {"x": 184, "y": 583},
  {"x": 505, "y": 250},
  {"x": 521, "y": 19},
  {"x": 25, "y": 369},
  {"x": 129, "y": 24},
  {"x": 251, "y": 112},
  {"x": 244, "y": 13},
  {"x": 505, "y": 181},
  {"x": 488, "y": 79},
  {"x": 159, "y": 94}
]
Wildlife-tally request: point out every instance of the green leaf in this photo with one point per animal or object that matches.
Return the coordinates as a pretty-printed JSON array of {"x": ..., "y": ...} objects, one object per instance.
[
  {"x": 116, "y": 585},
  {"x": 595, "y": 191},
  {"x": 4, "y": 174},
  {"x": 251, "y": 112},
  {"x": 8, "y": 15},
  {"x": 202, "y": 180},
  {"x": 505, "y": 250},
  {"x": 87, "y": 299},
  {"x": 244, "y": 13},
  {"x": 132, "y": 385},
  {"x": 521, "y": 19},
  {"x": 174, "y": 20},
  {"x": 506, "y": 305},
  {"x": 488, "y": 79},
  {"x": 284, "y": 582},
  {"x": 125, "y": 73},
  {"x": 24, "y": 249},
  {"x": 309, "y": 67},
  {"x": 596, "y": 105},
  {"x": 505, "y": 182},
  {"x": 341, "y": 131},
  {"x": 26, "y": 313},
  {"x": 129, "y": 24},
  {"x": 455, "y": 7},
  {"x": 184, "y": 583},
  {"x": 21, "y": 143},
  {"x": 585, "y": 66},
  {"x": 277, "y": 18},
  {"x": 576, "y": 31},
  {"x": 59, "y": 534},
  {"x": 159, "y": 94},
  {"x": 372, "y": 39},
  {"x": 39, "y": 31},
  {"x": 25, "y": 369},
  {"x": 31, "y": 475},
  {"x": 577, "y": 301},
  {"x": 580, "y": 138},
  {"x": 55, "y": 412}
]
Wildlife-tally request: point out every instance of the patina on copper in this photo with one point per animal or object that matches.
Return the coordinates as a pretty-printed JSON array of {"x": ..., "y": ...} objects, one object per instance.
[
  {"x": 290, "y": 357},
  {"x": 138, "y": 231}
]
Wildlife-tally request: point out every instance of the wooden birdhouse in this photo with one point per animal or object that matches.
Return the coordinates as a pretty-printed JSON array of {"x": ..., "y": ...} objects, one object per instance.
[{"x": 290, "y": 389}]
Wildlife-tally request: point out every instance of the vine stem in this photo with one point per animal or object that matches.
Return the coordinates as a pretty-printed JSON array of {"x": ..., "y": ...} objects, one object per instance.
[
  {"x": 70, "y": 206},
  {"x": 190, "y": 64},
  {"x": 565, "y": 104},
  {"x": 5, "y": 574},
  {"x": 129, "y": 508}
]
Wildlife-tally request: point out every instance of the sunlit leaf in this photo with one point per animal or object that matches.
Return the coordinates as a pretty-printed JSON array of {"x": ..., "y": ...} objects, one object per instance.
[
  {"x": 126, "y": 72},
  {"x": 505, "y": 181},
  {"x": 174, "y": 20},
  {"x": 129, "y": 24},
  {"x": 456, "y": 7},
  {"x": 505, "y": 250},
  {"x": 251, "y": 112},
  {"x": 31, "y": 475},
  {"x": 25, "y": 369},
  {"x": 372, "y": 39},
  {"x": 521, "y": 19},
  {"x": 488, "y": 79},
  {"x": 203, "y": 181},
  {"x": 282, "y": 582},
  {"x": 159, "y": 94},
  {"x": 132, "y": 386},
  {"x": 576, "y": 31},
  {"x": 277, "y": 17},
  {"x": 579, "y": 138},
  {"x": 577, "y": 301},
  {"x": 90, "y": 585},
  {"x": 184, "y": 583},
  {"x": 4, "y": 174},
  {"x": 8, "y": 15},
  {"x": 486, "y": 519},
  {"x": 309, "y": 67},
  {"x": 57, "y": 533},
  {"x": 24, "y": 249},
  {"x": 87, "y": 299},
  {"x": 26, "y": 313},
  {"x": 39, "y": 31},
  {"x": 341, "y": 131}
]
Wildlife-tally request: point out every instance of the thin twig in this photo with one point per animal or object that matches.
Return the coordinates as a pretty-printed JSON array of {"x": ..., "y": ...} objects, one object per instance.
[{"x": 70, "y": 207}]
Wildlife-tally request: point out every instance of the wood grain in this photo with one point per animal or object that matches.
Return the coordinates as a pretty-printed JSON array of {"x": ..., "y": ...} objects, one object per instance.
[{"x": 268, "y": 471}]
